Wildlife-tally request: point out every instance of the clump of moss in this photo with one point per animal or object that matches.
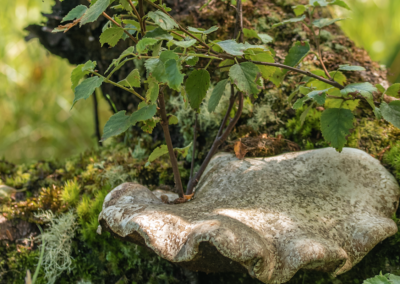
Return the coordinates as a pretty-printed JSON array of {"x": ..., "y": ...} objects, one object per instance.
[{"x": 392, "y": 158}]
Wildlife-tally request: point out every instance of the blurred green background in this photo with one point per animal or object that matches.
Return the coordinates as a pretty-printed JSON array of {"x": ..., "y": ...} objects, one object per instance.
[{"x": 35, "y": 95}]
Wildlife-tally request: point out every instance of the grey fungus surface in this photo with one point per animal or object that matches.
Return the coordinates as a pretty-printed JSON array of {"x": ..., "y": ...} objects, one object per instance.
[{"x": 317, "y": 209}]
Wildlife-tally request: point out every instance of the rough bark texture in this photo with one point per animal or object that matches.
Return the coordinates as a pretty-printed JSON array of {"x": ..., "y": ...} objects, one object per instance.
[{"x": 319, "y": 210}]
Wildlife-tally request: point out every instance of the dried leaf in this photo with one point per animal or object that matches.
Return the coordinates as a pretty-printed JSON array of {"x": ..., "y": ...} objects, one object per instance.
[{"x": 240, "y": 150}]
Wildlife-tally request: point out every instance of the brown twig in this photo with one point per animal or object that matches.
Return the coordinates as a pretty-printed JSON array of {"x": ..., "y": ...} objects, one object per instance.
[
  {"x": 172, "y": 157},
  {"x": 239, "y": 21},
  {"x": 217, "y": 143},
  {"x": 96, "y": 119},
  {"x": 194, "y": 146},
  {"x": 139, "y": 18},
  {"x": 115, "y": 23}
]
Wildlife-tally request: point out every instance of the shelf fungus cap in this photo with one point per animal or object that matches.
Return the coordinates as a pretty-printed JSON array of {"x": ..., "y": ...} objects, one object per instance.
[{"x": 319, "y": 210}]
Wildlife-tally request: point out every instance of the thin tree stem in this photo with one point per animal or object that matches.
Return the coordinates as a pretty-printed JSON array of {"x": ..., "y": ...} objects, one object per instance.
[
  {"x": 217, "y": 143},
  {"x": 172, "y": 157},
  {"x": 231, "y": 102},
  {"x": 96, "y": 118},
  {"x": 239, "y": 21},
  {"x": 194, "y": 146},
  {"x": 141, "y": 14},
  {"x": 115, "y": 23},
  {"x": 139, "y": 18}
]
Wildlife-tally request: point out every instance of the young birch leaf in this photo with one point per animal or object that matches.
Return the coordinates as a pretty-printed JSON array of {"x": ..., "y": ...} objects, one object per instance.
[
  {"x": 117, "y": 124},
  {"x": 379, "y": 279},
  {"x": 184, "y": 43},
  {"x": 351, "y": 68},
  {"x": 321, "y": 23},
  {"x": 184, "y": 151},
  {"x": 303, "y": 116},
  {"x": 335, "y": 125},
  {"x": 296, "y": 54},
  {"x": 321, "y": 3},
  {"x": 111, "y": 36},
  {"x": 196, "y": 86},
  {"x": 159, "y": 34},
  {"x": 126, "y": 5},
  {"x": 132, "y": 80},
  {"x": 340, "y": 3},
  {"x": 173, "y": 120},
  {"x": 204, "y": 32},
  {"x": 266, "y": 71},
  {"x": 393, "y": 90},
  {"x": 174, "y": 77},
  {"x": 300, "y": 102},
  {"x": 89, "y": 66},
  {"x": 391, "y": 112},
  {"x": 319, "y": 96},
  {"x": 216, "y": 95},
  {"x": 94, "y": 11},
  {"x": 144, "y": 43},
  {"x": 232, "y": 47},
  {"x": 162, "y": 20},
  {"x": 365, "y": 89},
  {"x": 293, "y": 20},
  {"x": 265, "y": 38},
  {"x": 158, "y": 152},
  {"x": 244, "y": 75},
  {"x": 75, "y": 13},
  {"x": 86, "y": 88},
  {"x": 153, "y": 90},
  {"x": 76, "y": 75},
  {"x": 299, "y": 10},
  {"x": 380, "y": 88}
]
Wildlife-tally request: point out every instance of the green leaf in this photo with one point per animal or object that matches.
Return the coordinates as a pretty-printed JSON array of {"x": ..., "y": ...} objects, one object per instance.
[
  {"x": 244, "y": 75},
  {"x": 379, "y": 279},
  {"x": 184, "y": 43},
  {"x": 77, "y": 75},
  {"x": 319, "y": 96},
  {"x": 89, "y": 66},
  {"x": 248, "y": 33},
  {"x": 216, "y": 95},
  {"x": 152, "y": 90},
  {"x": 94, "y": 11},
  {"x": 86, "y": 88},
  {"x": 159, "y": 34},
  {"x": 303, "y": 116},
  {"x": 380, "y": 88},
  {"x": 119, "y": 122},
  {"x": 296, "y": 54},
  {"x": 192, "y": 60},
  {"x": 265, "y": 38},
  {"x": 201, "y": 31},
  {"x": 338, "y": 103},
  {"x": 365, "y": 89},
  {"x": 132, "y": 80},
  {"x": 394, "y": 278},
  {"x": 300, "y": 102},
  {"x": 393, "y": 90},
  {"x": 173, "y": 120},
  {"x": 391, "y": 112},
  {"x": 232, "y": 47},
  {"x": 351, "y": 68},
  {"x": 266, "y": 71},
  {"x": 144, "y": 43},
  {"x": 158, "y": 152},
  {"x": 299, "y": 10},
  {"x": 335, "y": 126},
  {"x": 321, "y": 3},
  {"x": 184, "y": 151},
  {"x": 292, "y": 20},
  {"x": 126, "y": 5},
  {"x": 323, "y": 22},
  {"x": 111, "y": 36},
  {"x": 340, "y": 3},
  {"x": 75, "y": 13},
  {"x": 196, "y": 87},
  {"x": 174, "y": 77},
  {"x": 124, "y": 54},
  {"x": 162, "y": 20}
]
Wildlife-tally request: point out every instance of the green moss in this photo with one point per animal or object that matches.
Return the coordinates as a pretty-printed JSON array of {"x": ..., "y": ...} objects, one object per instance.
[{"x": 70, "y": 194}]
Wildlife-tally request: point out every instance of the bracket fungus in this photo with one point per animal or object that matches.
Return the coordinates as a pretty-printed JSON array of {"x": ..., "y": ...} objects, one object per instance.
[{"x": 318, "y": 209}]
